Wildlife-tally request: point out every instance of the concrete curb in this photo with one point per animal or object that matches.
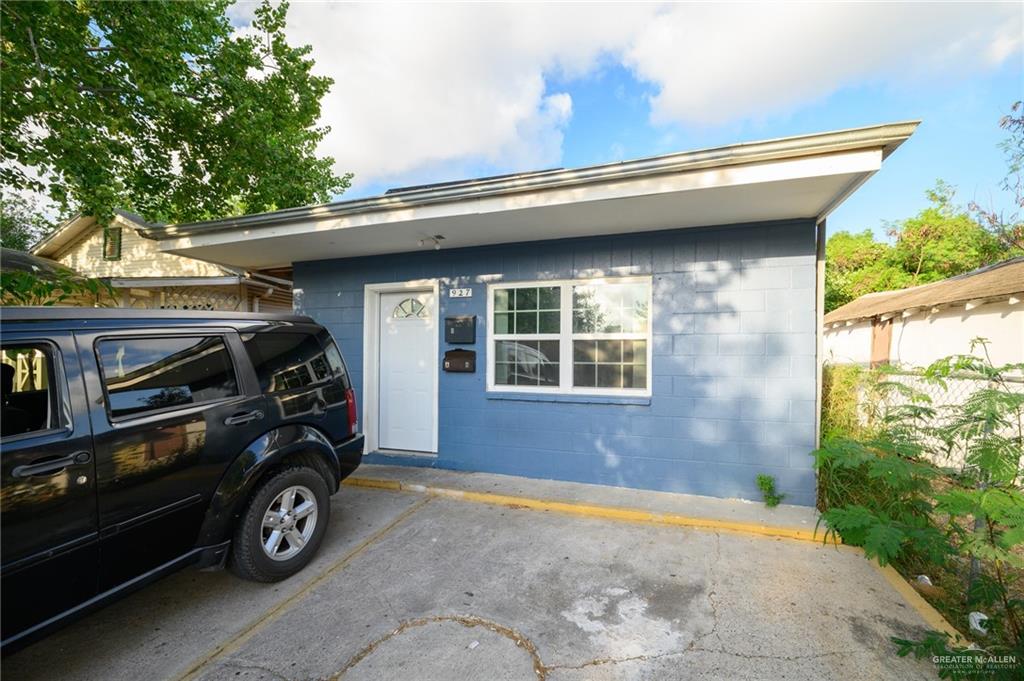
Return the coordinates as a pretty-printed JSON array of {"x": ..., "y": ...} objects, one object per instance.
[
  {"x": 932, "y": 617},
  {"x": 590, "y": 510}
]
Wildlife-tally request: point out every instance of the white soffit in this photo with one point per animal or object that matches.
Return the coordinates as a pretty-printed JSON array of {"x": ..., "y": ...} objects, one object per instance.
[{"x": 794, "y": 188}]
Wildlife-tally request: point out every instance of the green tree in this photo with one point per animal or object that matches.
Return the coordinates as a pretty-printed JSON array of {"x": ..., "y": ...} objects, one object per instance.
[
  {"x": 22, "y": 222},
  {"x": 941, "y": 241},
  {"x": 160, "y": 107},
  {"x": 856, "y": 264}
]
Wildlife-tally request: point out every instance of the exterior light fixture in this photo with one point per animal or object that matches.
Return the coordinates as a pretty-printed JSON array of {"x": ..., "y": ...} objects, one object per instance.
[{"x": 434, "y": 241}]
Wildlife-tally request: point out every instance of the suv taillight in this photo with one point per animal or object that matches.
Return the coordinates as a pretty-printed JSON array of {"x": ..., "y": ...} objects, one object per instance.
[{"x": 353, "y": 419}]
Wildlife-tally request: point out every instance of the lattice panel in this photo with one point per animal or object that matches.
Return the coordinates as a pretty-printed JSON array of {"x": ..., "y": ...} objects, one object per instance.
[
  {"x": 194, "y": 298},
  {"x": 185, "y": 298}
]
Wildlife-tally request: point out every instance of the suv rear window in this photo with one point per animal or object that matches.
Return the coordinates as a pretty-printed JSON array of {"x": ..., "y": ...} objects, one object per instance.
[
  {"x": 27, "y": 390},
  {"x": 146, "y": 374},
  {"x": 287, "y": 360}
]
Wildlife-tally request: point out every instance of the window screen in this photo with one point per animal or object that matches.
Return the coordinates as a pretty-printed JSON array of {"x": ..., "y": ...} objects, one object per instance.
[
  {"x": 284, "y": 360},
  {"x": 146, "y": 374}
]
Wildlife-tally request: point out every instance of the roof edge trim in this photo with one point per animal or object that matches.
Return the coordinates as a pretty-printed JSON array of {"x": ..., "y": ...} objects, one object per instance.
[{"x": 886, "y": 137}]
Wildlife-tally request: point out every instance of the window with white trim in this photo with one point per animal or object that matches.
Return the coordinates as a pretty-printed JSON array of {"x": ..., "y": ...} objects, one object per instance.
[{"x": 573, "y": 337}]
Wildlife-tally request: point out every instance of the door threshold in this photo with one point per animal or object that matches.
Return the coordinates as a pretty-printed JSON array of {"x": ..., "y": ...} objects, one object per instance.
[{"x": 406, "y": 452}]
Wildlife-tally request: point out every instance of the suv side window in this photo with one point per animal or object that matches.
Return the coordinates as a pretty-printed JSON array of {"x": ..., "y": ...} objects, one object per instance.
[
  {"x": 27, "y": 390},
  {"x": 146, "y": 374},
  {"x": 285, "y": 360},
  {"x": 334, "y": 359}
]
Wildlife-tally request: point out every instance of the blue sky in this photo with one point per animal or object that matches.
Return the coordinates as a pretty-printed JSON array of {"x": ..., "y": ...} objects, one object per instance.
[
  {"x": 957, "y": 140},
  {"x": 428, "y": 93}
]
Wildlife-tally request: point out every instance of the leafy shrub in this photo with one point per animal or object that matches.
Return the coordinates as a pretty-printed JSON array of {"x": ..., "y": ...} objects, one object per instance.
[
  {"x": 883, "y": 492},
  {"x": 22, "y": 288}
]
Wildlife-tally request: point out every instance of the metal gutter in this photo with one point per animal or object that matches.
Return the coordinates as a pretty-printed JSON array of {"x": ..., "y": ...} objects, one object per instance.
[
  {"x": 160, "y": 282},
  {"x": 886, "y": 137},
  {"x": 266, "y": 279}
]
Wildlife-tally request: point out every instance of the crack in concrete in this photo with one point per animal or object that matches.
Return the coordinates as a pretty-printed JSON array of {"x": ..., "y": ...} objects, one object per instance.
[
  {"x": 780, "y": 658},
  {"x": 613, "y": 660},
  {"x": 711, "y": 596},
  {"x": 242, "y": 664},
  {"x": 465, "y": 620}
]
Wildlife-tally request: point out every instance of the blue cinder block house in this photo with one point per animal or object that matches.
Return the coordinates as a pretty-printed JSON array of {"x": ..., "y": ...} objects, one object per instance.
[{"x": 650, "y": 323}]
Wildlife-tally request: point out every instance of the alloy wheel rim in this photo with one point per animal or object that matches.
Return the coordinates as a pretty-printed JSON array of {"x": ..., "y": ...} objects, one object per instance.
[{"x": 288, "y": 523}]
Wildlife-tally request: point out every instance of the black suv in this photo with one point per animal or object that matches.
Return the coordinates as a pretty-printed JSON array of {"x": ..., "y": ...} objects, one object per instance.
[{"x": 135, "y": 443}]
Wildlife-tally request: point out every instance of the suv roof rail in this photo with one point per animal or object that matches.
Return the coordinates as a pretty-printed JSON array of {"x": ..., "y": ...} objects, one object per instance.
[{"x": 62, "y": 313}]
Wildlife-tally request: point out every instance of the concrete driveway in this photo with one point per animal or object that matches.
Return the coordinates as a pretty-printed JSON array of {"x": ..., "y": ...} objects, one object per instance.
[{"x": 409, "y": 586}]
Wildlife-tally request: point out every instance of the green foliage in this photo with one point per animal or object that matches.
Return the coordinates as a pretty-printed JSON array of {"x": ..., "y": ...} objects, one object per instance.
[
  {"x": 841, "y": 412},
  {"x": 882, "y": 491},
  {"x": 160, "y": 107},
  {"x": 941, "y": 241},
  {"x": 766, "y": 483},
  {"x": 856, "y": 264},
  {"x": 1008, "y": 229},
  {"x": 20, "y": 288},
  {"x": 22, "y": 222}
]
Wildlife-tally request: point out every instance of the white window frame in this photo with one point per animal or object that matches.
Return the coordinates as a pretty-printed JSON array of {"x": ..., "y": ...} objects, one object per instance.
[{"x": 566, "y": 338}]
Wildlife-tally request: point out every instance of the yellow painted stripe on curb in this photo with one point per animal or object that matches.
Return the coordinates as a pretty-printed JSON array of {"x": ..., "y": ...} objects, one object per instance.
[
  {"x": 374, "y": 483},
  {"x": 591, "y": 510},
  {"x": 932, "y": 617}
]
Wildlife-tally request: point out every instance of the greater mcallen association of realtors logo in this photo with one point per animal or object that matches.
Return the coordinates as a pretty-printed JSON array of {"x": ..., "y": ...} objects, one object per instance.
[{"x": 976, "y": 660}]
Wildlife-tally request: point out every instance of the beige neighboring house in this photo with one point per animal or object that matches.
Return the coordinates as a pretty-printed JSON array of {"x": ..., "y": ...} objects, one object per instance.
[
  {"x": 146, "y": 277},
  {"x": 914, "y": 327}
]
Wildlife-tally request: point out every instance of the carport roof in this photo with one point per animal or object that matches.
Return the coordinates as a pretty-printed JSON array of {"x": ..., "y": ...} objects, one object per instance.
[{"x": 802, "y": 177}]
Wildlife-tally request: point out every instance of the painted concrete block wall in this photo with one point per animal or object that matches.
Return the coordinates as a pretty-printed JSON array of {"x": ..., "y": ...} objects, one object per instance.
[{"x": 733, "y": 374}]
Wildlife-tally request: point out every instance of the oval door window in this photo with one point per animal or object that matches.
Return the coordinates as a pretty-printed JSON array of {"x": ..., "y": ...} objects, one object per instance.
[{"x": 410, "y": 307}]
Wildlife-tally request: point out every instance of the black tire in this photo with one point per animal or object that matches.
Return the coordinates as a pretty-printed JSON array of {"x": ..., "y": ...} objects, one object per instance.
[{"x": 249, "y": 560}]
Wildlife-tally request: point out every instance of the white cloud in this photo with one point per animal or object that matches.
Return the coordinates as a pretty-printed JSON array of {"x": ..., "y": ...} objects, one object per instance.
[
  {"x": 419, "y": 86},
  {"x": 424, "y": 90},
  {"x": 713, "y": 64}
]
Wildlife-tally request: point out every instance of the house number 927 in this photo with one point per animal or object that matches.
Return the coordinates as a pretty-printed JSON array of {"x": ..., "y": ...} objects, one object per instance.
[{"x": 460, "y": 293}]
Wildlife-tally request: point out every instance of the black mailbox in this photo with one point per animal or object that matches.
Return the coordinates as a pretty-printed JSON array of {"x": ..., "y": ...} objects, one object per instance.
[
  {"x": 460, "y": 360},
  {"x": 459, "y": 330}
]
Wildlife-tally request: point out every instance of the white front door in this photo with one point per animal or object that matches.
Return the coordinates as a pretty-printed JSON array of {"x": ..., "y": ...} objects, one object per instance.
[{"x": 408, "y": 371}]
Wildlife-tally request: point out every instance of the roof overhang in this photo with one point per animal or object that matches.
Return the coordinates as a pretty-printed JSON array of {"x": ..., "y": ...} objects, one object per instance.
[
  {"x": 802, "y": 177},
  {"x": 65, "y": 234},
  {"x": 72, "y": 229}
]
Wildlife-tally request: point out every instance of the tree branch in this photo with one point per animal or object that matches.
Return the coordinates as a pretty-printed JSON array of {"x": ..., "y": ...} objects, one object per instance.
[{"x": 35, "y": 52}]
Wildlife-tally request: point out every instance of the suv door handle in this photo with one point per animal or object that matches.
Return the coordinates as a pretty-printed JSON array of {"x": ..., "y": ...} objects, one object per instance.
[
  {"x": 243, "y": 417},
  {"x": 51, "y": 466}
]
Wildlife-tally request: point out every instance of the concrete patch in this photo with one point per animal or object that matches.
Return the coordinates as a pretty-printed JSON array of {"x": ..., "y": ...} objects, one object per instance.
[{"x": 617, "y": 620}]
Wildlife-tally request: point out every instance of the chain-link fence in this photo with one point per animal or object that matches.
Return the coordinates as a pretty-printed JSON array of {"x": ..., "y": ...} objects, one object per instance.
[{"x": 882, "y": 392}]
